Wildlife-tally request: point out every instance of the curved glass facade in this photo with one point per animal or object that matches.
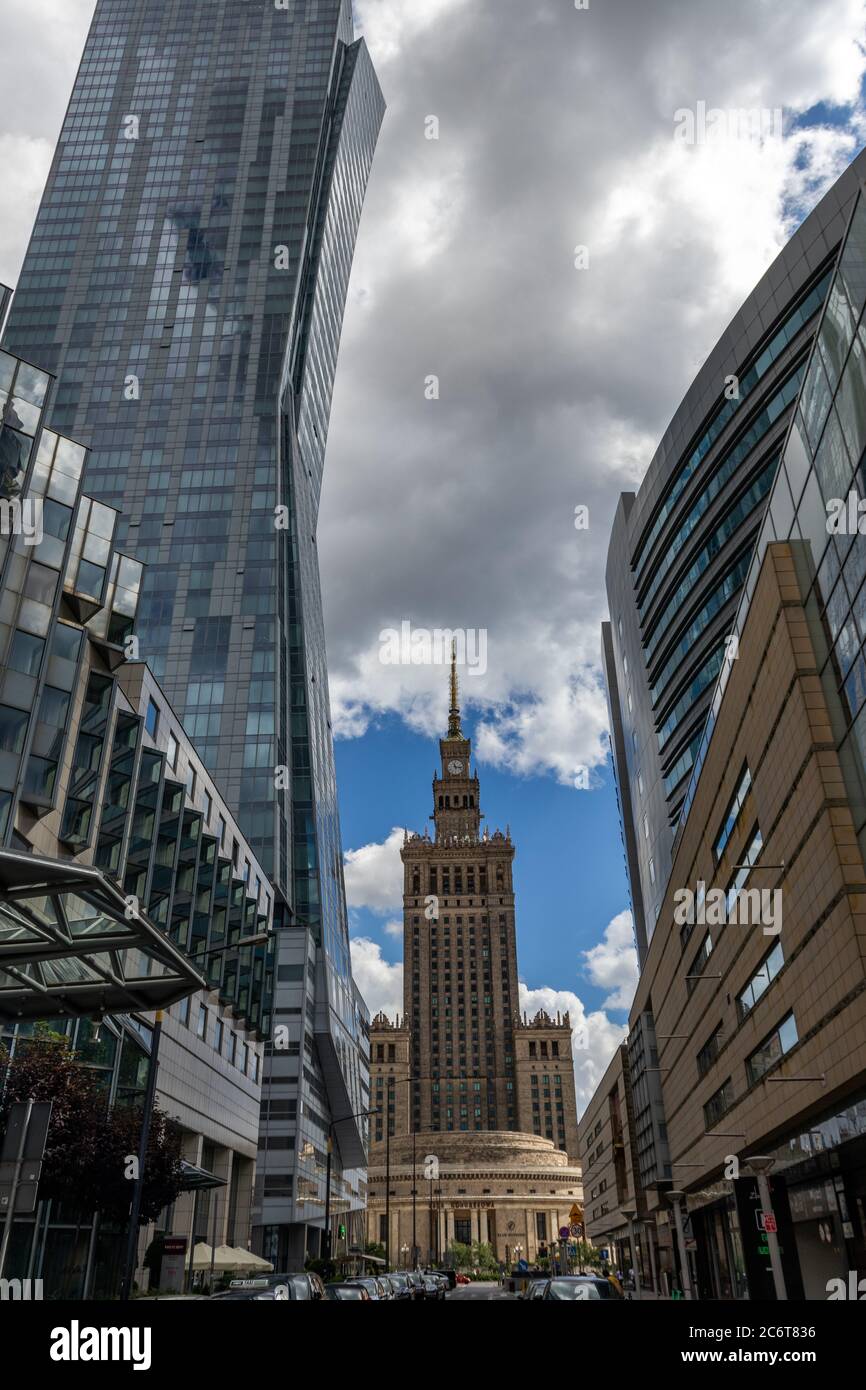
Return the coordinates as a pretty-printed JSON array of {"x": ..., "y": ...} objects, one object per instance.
[{"x": 681, "y": 547}]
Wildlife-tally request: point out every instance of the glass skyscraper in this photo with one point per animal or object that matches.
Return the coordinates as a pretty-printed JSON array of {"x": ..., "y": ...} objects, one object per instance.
[{"x": 186, "y": 281}]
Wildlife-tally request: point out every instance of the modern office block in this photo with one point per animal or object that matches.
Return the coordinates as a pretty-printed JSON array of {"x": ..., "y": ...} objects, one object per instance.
[
  {"x": 681, "y": 547},
  {"x": 126, "y": 884},
  {"x": 186, "y": 281},
  {"x": 748, "y": 1031}
]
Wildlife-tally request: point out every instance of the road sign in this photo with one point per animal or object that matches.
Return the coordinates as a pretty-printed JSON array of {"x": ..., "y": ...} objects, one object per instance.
[
  {"x": 575, "y": 1216},
  {"x": 21, "y": 1155},
  {"x": 575, "y": 1229},
  {"x": 564, "y": 1233},
  {"x": 768, "y": 1221}
]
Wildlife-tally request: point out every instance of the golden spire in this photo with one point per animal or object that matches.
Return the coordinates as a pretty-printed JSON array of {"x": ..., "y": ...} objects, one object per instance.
[{"x": 454, "y": 730}]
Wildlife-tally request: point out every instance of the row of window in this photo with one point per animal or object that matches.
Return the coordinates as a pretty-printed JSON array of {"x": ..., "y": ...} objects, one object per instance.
[
  {"x": 224, "y": 1041},
  {"x": 777, "y": 1043}
]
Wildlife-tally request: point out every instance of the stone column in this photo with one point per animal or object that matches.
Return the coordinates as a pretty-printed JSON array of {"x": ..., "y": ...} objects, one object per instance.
[
  {"x": 449, "y": 1226},
  {"x": 483, "y": 1235},
  {"x": 443, "y": 1236},
  {"x": 473, "y": 1218}
]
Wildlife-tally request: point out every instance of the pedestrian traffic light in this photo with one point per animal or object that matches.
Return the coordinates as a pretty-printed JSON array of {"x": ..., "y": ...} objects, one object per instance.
[{"x": 341, "y": 1231}]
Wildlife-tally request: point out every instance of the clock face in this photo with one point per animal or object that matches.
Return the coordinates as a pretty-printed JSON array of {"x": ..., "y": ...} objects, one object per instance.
[{"x": 455, "y": 765}]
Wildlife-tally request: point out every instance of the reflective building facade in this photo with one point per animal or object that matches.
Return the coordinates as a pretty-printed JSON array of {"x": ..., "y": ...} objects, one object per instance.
[
  {"x": 119, "y": 890},
  {"x": 186, "y": 281},
  {"x": 681, "y": 547},
  {"x": 748, "y": 1029}
]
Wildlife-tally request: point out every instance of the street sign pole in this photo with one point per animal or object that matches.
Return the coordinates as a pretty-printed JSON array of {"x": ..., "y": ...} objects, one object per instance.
[
  {"x": 16, "y": 1178},
  {"x": 769, "y": 1225},
  {"x": 21, "y": 1155}
]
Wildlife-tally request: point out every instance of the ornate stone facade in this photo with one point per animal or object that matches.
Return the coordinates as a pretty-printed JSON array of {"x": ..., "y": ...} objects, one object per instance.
[
  {"x": 490, "y": 1096},
  {"x": 509, "y": 1190}
]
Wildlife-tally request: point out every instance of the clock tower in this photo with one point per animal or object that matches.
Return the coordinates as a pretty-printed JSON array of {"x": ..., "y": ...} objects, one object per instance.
[
  {"x": 462, "y": 1080},
  {"x": 459, "y": 953}
]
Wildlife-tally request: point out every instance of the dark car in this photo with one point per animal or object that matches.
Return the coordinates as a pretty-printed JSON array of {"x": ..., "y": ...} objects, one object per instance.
[
  {"x": 400, "y": 1285},
  {"x": 416, "y": 1280},
  {"x": 536, "y": 1288},
  {"x": 433, "y": 1287},
  {"x": 302, "y": 1288},
  {"x": 346, "y": 1293},
  {"x": 449, "y": 1274},
  {"x": 375, "y": 1288},
  {"x": 257, "y": 1291},
  {"x": 581, "y": 1288}
]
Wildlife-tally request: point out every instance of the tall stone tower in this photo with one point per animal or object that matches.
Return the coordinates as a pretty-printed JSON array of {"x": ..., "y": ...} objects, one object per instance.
[
  {"x": 459, "y": 953},
  {"x": 485, "y": 1147}
]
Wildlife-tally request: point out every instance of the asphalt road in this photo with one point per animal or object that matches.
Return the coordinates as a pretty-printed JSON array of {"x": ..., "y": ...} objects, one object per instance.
[{"x": 465, "y": 1292}]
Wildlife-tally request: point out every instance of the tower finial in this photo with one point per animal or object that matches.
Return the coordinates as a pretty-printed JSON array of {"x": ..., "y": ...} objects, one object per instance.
[{"x": 454, "y": 730}]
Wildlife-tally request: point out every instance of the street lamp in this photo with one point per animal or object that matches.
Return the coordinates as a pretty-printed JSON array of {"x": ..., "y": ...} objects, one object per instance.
[
  {"x": 357, "y": 1115},
  {"x": 676, "y": 1198},
  {"x": 404, "y": 1253},
  {"x": 630, "y": 1213},
  {"x": 761, "y": 1164}
]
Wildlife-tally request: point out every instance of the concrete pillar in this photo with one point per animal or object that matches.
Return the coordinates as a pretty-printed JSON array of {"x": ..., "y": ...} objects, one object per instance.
[
  {"x": 443, "y": 1236},
  {"x": 449, "y": 1222},
  {"x": 219, "y": 1198},
  {"x": 245, "y": 1171},
  {"x": 483, "y": 1235},
  {"x": 473, "y": 1218}
]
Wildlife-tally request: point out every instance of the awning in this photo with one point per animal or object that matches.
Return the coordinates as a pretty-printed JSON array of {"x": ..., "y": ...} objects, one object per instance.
[
  {"x": 194, "y": 1178},
  {"x": 68, "y": 948}
]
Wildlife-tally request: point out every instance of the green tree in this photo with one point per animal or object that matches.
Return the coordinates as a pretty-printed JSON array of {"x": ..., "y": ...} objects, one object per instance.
[{"x": 459, "y": 1256}]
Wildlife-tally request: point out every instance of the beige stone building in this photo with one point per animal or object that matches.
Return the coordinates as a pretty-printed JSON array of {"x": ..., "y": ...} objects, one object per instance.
[
  {"x": 751, "y": 1021},
  {"x": 488, "y": 1095},
  {"x": 509, "y": 1190}
]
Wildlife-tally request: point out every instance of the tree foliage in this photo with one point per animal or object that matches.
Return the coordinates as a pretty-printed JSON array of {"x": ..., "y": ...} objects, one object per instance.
[{"x": 89, "y": 1146}]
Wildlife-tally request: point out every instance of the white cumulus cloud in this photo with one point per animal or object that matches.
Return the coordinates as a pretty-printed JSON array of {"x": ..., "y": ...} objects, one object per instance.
[
  {"x": 374, "y": 874},
  {"x": 612, "y": 964},
  {"x": 380, "y": 983}
]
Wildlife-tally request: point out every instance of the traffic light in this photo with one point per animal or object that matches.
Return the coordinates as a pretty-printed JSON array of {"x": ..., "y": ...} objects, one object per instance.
[{"x": 341, "y": 1231}]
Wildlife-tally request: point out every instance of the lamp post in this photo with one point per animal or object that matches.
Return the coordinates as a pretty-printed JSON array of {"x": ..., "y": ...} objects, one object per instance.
[
  {"x": 404, "y": 1255},
  {"x": 761, "y": 1165},
  {"x": 652, "y": 1254},
  {"x": 138, "y": 1189},
  {"x": 356, "y": 1115},
  {"x": 676, "y": 1198},
  {"x": 630, "y": 1212}
]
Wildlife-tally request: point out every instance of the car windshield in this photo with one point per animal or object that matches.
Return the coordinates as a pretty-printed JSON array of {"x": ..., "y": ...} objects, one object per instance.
[
  {"x": 576, "y": 1289},
  {"x": 349, "y": 1293}
]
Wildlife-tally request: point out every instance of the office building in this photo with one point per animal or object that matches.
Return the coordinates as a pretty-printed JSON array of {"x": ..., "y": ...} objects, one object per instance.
[
  {"x": 681, "y": 547},
  {"x": 126, "y": 884},
  {"x": 186, "y": 280}
]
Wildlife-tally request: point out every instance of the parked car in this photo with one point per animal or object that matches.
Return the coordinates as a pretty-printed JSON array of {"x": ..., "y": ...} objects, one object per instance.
[
  {"x": 580, "y": 1288},
  {"x": 258, "y": 1291},
  {"x": 416, "y": 1279},
  {"x": 400, "y": 1284},
  {"x": 536, "y": 1288},
  {"x": 433, "y": 1286},
  {"x": 346, "y": 1293},
  {"x": 445, "y": 1275},
  {"x": 301, "y": 1287},
  {"x": 463, "y": 1279},
  {"x": 375, "y": 1287}
]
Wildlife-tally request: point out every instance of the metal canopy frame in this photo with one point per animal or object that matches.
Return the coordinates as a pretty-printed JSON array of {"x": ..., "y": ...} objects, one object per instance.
[{"x": 68, "y": 947}]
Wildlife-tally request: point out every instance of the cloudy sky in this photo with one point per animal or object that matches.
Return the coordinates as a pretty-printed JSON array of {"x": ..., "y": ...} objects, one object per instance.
[{"x": 556, "y": 130}]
